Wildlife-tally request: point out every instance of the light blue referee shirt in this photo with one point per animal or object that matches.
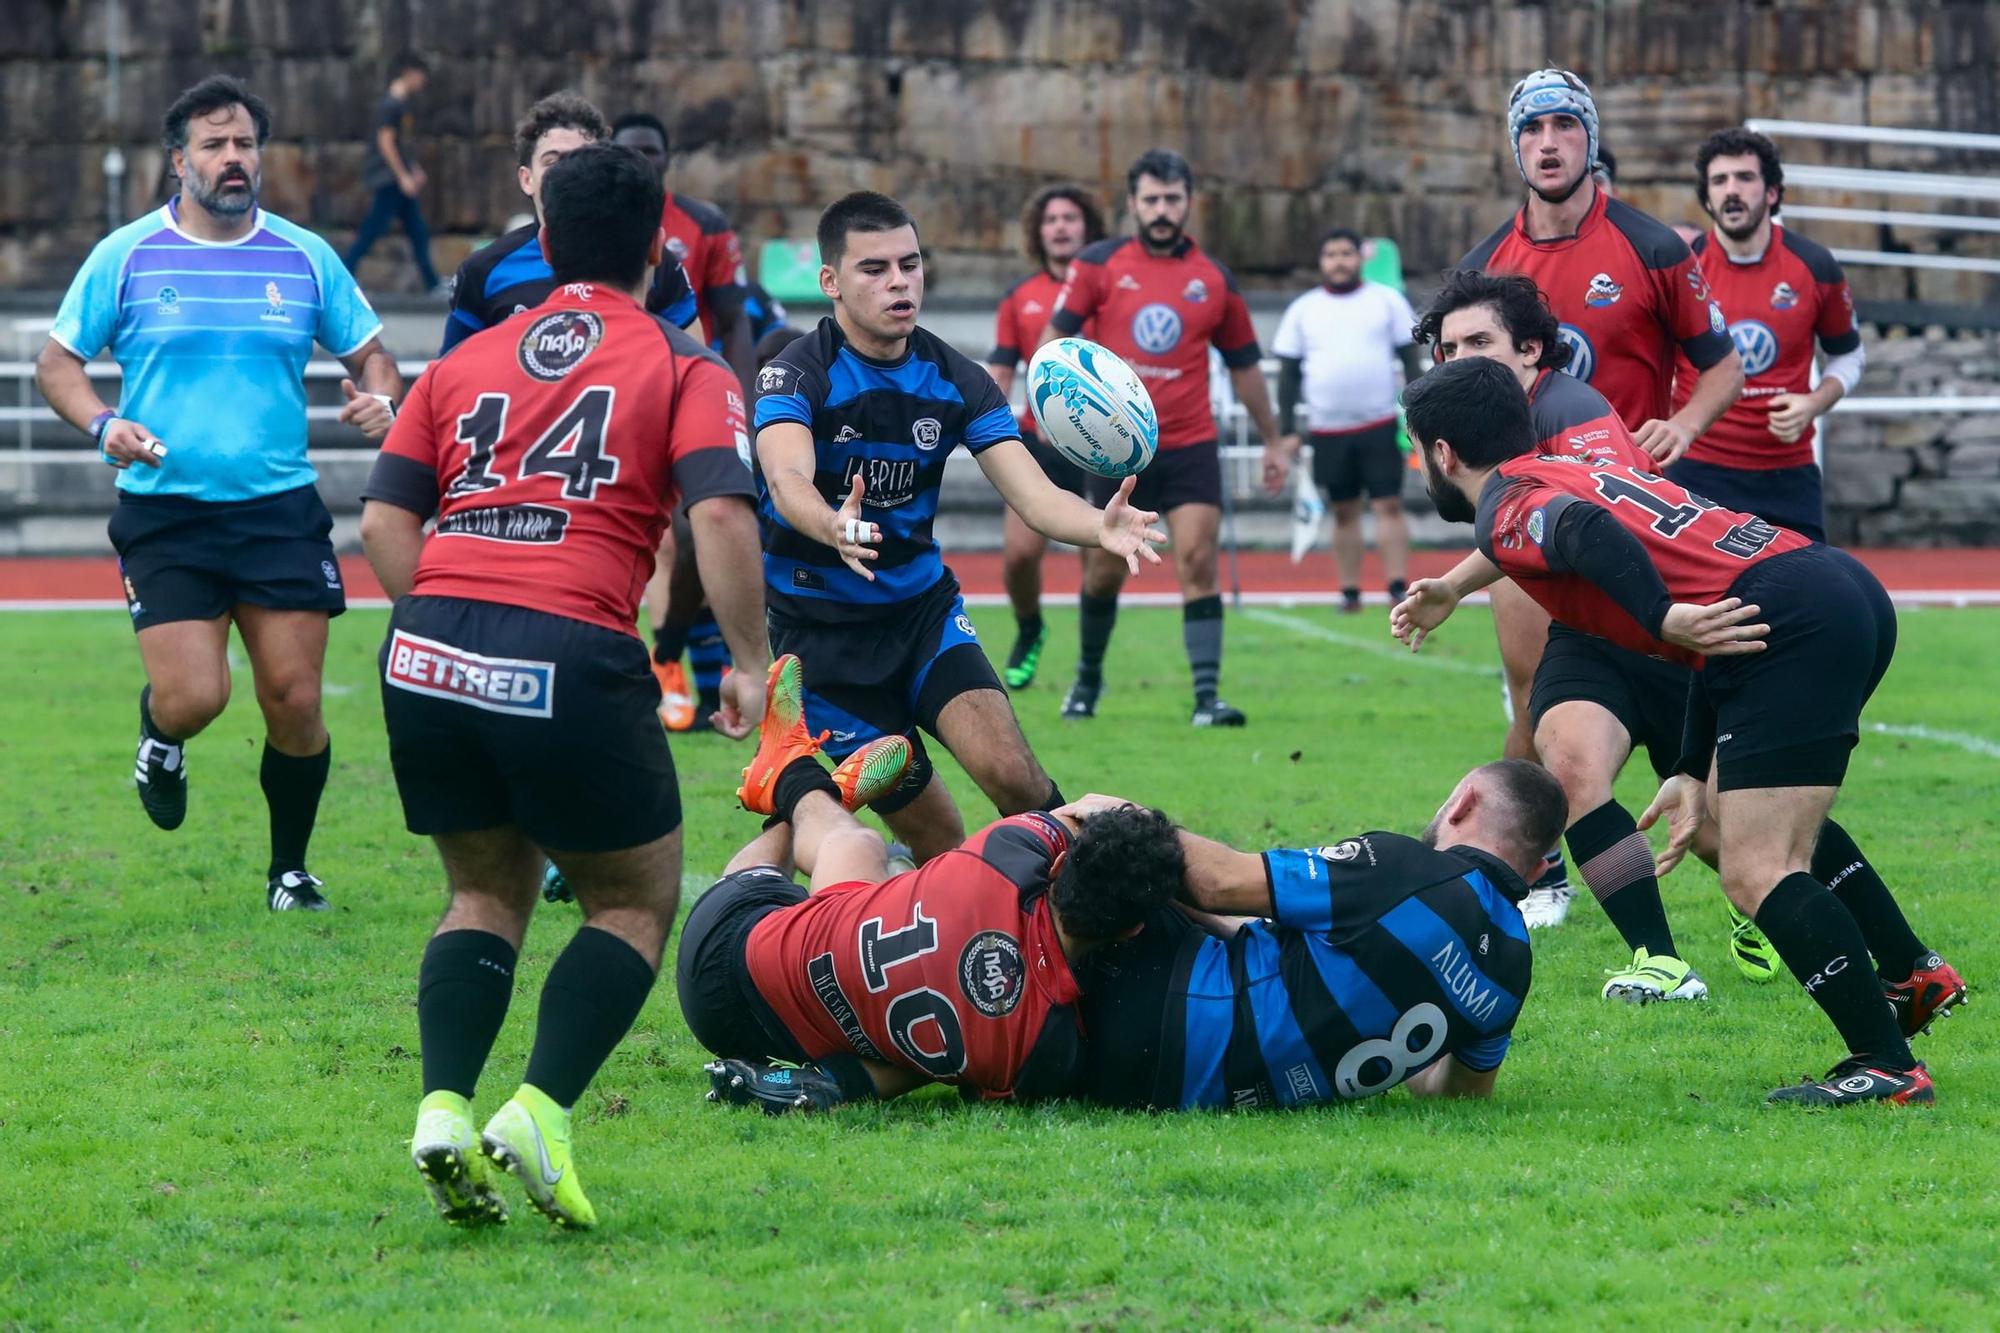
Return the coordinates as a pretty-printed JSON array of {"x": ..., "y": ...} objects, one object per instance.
[{"x": 214, "y": 337}]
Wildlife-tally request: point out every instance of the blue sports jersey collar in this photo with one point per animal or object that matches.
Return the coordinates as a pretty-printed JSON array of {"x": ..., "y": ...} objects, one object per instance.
[
  {"x": 170, "y": 218},
  {"x": 841, "y": 344}
]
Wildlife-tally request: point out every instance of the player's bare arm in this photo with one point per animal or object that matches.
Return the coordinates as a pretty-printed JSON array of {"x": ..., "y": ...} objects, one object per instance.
[
  {"x": 371, "y": 407},
  {"x": 1223, "y": 881},
  {"x": 392, "y": 537},
  {"x": 1666, "y": 439},
  {"x": 1255, "y": 395},
  {"x": 65, "y": 383},
  {"x": 1061, "y": 516},
  {"x": 786, "y": 454},
  {"x": 729, "y": 554}
]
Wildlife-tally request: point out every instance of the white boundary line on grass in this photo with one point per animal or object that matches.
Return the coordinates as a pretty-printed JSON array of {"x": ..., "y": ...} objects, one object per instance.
[
  {"x": 1387, "y": 648},
  {"x": 1963, "y": 740}
]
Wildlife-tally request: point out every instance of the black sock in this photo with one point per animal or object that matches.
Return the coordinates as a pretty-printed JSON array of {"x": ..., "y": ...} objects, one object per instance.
[
  {"x": 1839, "y": 864},
  {"x": 1029, "y": 626},
  {"x": 462, "y": 991},
  {"x": 799, "y": 777},
  {"x": 1201, "y": 636},
  {"x": 594, "y": 992},
  {"x": 1819, "y": 940},
  {"x": 670, "y": 639},
  {"x": 1352, "y": 596},
  {"x": 1096, "y": 616},
  {"x": 146, "y": 723},
  {"x": 1397, "y": 587},
  {"x": 292, "y": 788},
  {"x": 1614, "y": 860}
]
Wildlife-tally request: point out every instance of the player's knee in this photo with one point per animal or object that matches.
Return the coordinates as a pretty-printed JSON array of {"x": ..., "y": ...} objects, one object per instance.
[
  {"x": 1347, "y": 511},
  {"x": 1195, "y": 563},
  {"x": 1103, "y": 574},
  {"x": 184, "y": 708},
  {"x": 856, "y": 846},
  {"x": 292, "y": 703},
  {"x": 1389, "y": 507}
]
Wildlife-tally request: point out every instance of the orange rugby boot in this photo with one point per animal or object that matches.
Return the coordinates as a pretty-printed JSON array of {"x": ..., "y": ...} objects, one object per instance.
[
  {"x": 781, "y": 737},
  {"x": 676, "y": 703},
  {"x": 872, "y": 771}
]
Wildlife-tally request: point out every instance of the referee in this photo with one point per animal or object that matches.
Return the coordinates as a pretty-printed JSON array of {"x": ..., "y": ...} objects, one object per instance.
[{"x": 211, "y": 306}]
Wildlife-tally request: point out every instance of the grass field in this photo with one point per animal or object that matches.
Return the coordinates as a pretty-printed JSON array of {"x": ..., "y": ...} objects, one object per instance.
[{"x": 204, "y": 1107}]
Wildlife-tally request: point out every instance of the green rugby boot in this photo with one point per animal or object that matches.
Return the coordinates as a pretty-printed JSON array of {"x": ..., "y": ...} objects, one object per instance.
[
  {"x": 1652, "y": 978},
  {"x": 444, "y": 1148},
  {"x": 528, "y": 1138},
  {"x": 1749, "y": 950}
]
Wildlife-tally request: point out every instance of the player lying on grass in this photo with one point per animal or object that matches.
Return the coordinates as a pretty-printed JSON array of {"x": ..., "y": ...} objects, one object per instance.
[
  {"x": 958, "y": 972},
  {"x": 1775, "y": 708}
]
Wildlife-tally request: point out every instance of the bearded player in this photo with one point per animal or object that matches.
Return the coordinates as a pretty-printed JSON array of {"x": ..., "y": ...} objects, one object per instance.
[{"x": 1629, "y": 299}]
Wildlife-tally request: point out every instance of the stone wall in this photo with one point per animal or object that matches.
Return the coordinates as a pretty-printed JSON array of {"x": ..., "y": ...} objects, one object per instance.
[{"x": 1381, "y": 113}]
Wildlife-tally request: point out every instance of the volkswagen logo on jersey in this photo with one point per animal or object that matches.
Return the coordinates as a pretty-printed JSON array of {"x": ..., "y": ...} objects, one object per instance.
[
  {"x": 1156, "y": 329},
  {"x": 557, "y": 343},
  {"x": 992, "y": 973},
  {"x": 1756, "y": 344},
  {"x": 1784, "y": 296},
  {"x": 927, "y": 431},
  {"x": 1602, "y": 291},
  {"x": 1582, "y": 357}
]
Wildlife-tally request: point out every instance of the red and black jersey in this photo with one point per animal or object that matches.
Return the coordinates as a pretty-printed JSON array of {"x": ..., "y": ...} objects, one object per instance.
[
  {"x": 1573, "y": 420},
  {"x": 552, "y": 449},
  {"x": 1629, "y": 296},
  {"x": 1017, "y": 328},
  {"x": 1697, "y": 548},
  {"x": 1161, "y": 313},
  {"x": 1777, "y": 306},
  {"x": 700, "y": 237},
  {"x": 953, "y": 970}
]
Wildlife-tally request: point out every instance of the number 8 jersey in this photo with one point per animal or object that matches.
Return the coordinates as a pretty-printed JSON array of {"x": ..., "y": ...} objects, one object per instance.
[
  {"x": 553, "y": 447},
  {"x": 953, "y": 969}
]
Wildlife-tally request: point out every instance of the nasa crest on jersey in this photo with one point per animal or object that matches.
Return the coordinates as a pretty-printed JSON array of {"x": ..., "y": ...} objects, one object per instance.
[{"x": 557, "y": 343}]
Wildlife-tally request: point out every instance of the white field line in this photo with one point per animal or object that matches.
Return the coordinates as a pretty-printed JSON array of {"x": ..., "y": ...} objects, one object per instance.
[
  {"x": 1386, "y": 648},
  {"x": 1963, "y": 740}
]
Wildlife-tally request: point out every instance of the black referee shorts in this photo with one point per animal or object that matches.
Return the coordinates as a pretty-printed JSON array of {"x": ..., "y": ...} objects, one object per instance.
[
  {"x": 1348, "y": 462},
  {"x": 185, "y": 559},
  {"x": 1188, "y": 475},
  {"x": 1790, "y": 716},
  {"x": 712, "y": 971},
  {"x": 1648, "y": 695},
  {"x": 500, "y": 715}
]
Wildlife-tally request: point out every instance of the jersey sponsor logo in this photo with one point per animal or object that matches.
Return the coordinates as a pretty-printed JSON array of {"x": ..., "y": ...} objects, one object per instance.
[
  {"x": 1343, "y": 851},
  {"x": 169, "y": 300},
  {"x": 1031, "y": 307},
  {"x": 1156, "y": 329},
  {"x": 846, "y": 433},
  {"x": 927, "y": 431},
  {"x": 1584, "y": 441},
  {"x": 1602, "y": 291},
  {"x": 1697, "y": 282},
  {"x": 1582, "y": 356},
  {"x": 1196, "y": 291},
  {"x": 771, "y": 379},
  {"x": 826, "y": 986},
  {"x": 964, "y": 623},
  {"x": 1756, "y": 344},
  {"x": 886, "y": 482},
  {"x": 1127, "y": 283},
  {"x": 1480, "y": 1000},
  {"x": 274, "y": 305},
  {"x": 512, "y": 685},
  {"x": 530, "y": 525},
  {"x": 992, "y": 973},
  {"x": 557, "y": 343},
  {"x": 1299, "y": 1078},
  {"x": 1784, "y": 296}
]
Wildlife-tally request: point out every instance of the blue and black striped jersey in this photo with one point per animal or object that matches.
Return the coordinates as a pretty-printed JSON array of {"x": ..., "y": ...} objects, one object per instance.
[
  {"x": 501, "y": 280},
  {"x": 892, "y": 423},
  {"x": 1382, "y": 955}
]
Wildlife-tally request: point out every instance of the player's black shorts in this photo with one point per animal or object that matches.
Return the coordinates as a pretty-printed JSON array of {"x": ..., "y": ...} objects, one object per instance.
[
  {"x": 1058, "y": 468},
  {"x": 1189, "y": 475},
  {"x": 501, "y": 715},
  {"x": 1134, "y": 1015},
  {"x": 1648, "y": 695},
  {"x": 1348, "y": 462},
  {"x": 186, "y": 559},
  {"x": 1790, "y": 715},
  {"x": 712, "y": 970},
  {"x": 1790, "y": 497},
  {"x": 870, "y": 678}
]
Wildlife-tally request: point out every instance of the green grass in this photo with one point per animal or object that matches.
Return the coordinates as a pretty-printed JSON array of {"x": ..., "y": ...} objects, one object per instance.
[{"x": 203, "y": 1107}]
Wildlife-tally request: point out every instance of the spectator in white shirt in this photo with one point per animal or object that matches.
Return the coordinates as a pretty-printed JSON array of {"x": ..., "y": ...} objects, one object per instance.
[{"x": 1338, "y": 350}]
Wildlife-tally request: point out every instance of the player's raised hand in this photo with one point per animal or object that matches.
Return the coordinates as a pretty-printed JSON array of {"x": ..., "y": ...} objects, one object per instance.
[
  {"x": 1665, "y": 440},
  {"x": 1715, "y": 630},
  {"x": 1127, "y": 531},
  {"x": 742, "y": 703},
  {"x": 1683, "y": 801},
  {"x": 368, "y": 412},
  {"x": 852, "y": 534},
  {"x": 1426, "y": 604},
  {"x": 127, "y": 442}
]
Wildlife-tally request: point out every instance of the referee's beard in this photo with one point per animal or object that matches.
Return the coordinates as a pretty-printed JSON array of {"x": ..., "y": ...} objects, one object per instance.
[{"x": 231, "y": 194}]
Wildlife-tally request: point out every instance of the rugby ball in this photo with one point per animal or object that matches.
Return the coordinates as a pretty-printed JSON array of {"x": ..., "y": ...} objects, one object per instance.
[{"x": 1092, "y": 408}]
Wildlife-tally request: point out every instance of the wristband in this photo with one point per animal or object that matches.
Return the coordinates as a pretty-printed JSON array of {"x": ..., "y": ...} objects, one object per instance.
[{"x": 99, "y": 422}]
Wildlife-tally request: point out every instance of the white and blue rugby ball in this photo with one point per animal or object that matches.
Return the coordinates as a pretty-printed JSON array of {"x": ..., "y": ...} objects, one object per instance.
[{"x": 1092, "y": 408}]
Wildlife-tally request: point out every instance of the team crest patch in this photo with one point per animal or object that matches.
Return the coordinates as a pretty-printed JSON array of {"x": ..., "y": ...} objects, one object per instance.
[
  {"x": 992, "y": 973},
  {"x": 1784, "y": 296},
  {"x": 495, "y": 684},
  {"x": 169, "y": 300},
  {"x": 331, "y": 572},
  {"x": 1602, "y": 291},
  {"x": 557, "y": 343},
  {"x": 927, "y": 431},
  {"x": 771, "y": 379},
  {"x": 274, "y": 305},
  {"x": 1537, "y": 527},
  {"x": 678, "y": 248},
  {"x": 1196, "y": 291},
  {"x": 1715, "y": 320}
]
